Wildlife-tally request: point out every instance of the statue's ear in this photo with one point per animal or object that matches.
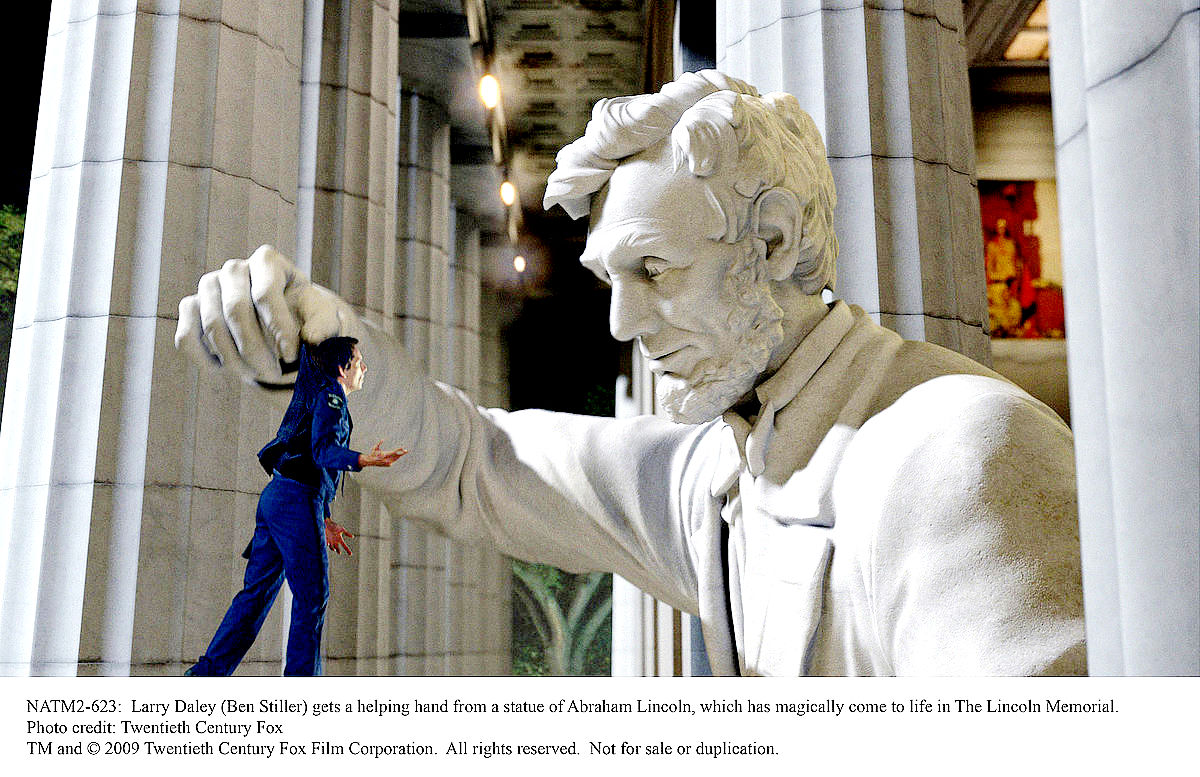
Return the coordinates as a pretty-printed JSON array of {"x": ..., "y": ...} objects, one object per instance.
[{"x": 777, "y": 222}]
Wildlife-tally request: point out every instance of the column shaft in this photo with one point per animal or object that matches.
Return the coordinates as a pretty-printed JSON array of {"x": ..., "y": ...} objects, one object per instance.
[
  {"x": 169, "y": 142},
  {"x": 159, "y": 156},
  {"x": 886, "y": 82},
  {"x": 1126, "y": 105}
]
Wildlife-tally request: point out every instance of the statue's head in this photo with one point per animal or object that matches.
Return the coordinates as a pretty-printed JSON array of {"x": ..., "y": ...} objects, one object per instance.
[{"x": 707, "y": 202}]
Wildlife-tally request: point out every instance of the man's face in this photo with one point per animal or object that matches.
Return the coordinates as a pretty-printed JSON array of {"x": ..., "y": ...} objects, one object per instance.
[
  {"x": 352, "y": 376},
  {"x": 706, "y": 332}
]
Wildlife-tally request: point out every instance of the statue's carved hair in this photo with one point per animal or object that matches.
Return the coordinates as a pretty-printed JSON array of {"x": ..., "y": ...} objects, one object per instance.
[{"x": 715, "y": 123}]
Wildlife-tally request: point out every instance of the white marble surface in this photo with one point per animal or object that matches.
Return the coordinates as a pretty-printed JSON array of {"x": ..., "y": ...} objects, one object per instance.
[{"x": 1126, "y": 126}]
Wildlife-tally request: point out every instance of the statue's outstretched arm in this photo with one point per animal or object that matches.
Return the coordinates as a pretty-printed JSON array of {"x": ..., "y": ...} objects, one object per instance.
[{"x": 579, "y": 492}]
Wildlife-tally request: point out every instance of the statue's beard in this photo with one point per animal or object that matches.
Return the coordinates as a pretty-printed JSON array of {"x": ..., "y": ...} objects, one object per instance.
[{"x": 755, "y": 330}]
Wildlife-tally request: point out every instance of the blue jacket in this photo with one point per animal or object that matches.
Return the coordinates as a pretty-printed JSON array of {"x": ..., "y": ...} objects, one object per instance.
[{"x": 311, "y": 446}]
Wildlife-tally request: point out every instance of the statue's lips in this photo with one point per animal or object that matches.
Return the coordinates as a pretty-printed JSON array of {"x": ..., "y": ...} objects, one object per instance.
[{"x": 678, "y": 362}]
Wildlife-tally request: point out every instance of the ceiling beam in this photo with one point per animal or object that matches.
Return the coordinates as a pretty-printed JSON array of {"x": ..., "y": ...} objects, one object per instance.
[{"x": 991, "y": 25}]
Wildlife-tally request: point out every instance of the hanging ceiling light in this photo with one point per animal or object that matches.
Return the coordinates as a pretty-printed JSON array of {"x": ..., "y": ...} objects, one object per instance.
[
  {"x": 508, "y": 193},
  {"x": 489, "y": 91},
  {"x": 519, "y": 263}
]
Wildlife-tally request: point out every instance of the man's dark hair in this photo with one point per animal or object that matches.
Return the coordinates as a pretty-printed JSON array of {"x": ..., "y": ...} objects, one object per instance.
[{"x": 334, "y": 354}]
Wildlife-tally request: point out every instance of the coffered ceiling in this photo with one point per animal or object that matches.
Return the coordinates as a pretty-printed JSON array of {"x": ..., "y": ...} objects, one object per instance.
[{"x": 555, "y": 59}]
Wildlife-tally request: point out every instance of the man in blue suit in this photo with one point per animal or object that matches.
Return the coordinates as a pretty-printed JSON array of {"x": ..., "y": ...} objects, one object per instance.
[{"x": 305, "y": 460}]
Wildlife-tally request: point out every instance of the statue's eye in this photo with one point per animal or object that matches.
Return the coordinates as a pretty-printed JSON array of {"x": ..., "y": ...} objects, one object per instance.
[{"x": 655, "y": 266}]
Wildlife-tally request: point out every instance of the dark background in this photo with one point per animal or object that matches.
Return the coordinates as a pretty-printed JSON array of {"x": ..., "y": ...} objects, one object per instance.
[{"x": 21, "y": 59}]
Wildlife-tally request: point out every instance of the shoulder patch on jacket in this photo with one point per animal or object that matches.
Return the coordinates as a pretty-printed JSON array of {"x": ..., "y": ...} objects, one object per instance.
[{"x": 334, "y": 401}]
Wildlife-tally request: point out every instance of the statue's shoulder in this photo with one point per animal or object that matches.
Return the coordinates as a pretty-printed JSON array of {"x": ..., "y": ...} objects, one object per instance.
[
  {"x": 960, "y": 457},
  {"x": 977, "y": 398},
  {"x": 970, "y": 406},
  {"x": 954, "y": 422}
]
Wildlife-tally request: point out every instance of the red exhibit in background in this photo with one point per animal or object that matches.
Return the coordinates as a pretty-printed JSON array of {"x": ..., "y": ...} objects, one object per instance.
[{"x": 1021, "y": 303}]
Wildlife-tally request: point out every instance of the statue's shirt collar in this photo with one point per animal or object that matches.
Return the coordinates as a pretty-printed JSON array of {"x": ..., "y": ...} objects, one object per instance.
[{"x": 754, "y": 439}]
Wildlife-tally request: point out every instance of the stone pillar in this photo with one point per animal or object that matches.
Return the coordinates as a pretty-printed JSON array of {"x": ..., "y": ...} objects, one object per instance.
[
  {"x": 494, "y": 595},
  {"x": 1125, "y": 87},
  {"x": 494, "y": 314},
  {"x": 886, "y": 83},
  {"x": 171, "y": 139},
  {"x": 422, "y": 259},
  {"x": 464, "y": 296},
  {"x": 466, "y": 643},
  {"x": 348, "y": 202},
  {"x": 384, "y": 236},
  {"x": 160, "y": 154}
]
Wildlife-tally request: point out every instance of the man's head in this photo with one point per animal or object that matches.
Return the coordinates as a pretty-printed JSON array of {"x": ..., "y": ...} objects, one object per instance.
[
  {"x": 338, "y": 358},
  {"x": 705, "y": 199}
]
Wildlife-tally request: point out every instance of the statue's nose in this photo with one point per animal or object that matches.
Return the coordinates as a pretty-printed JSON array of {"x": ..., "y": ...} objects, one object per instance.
[{"x": 631, "y": 313}]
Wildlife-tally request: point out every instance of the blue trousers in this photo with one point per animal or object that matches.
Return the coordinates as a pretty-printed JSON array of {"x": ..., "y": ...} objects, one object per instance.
[{"x": 289, "y": 541}]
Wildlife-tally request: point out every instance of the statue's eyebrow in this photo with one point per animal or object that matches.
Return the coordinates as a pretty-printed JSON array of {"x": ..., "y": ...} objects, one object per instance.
[
  {"x": 627, "y": 251},
  {"x": 593, "y": 263}
]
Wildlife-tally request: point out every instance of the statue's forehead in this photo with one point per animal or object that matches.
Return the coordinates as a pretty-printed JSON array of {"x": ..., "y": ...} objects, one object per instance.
[{"x": 651, "y": 189}]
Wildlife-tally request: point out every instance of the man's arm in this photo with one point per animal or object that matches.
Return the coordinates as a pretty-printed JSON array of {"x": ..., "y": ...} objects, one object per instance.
[{"x": 328, "y": 453}]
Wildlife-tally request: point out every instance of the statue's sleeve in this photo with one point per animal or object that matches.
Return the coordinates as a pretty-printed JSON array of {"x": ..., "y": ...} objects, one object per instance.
[
  {"x": 975, "y": 561},
  {"x": 579, "y": 492}
]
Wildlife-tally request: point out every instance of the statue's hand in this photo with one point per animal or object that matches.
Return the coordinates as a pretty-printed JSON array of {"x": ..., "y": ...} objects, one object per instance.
[{"x": 252, "y": 313}]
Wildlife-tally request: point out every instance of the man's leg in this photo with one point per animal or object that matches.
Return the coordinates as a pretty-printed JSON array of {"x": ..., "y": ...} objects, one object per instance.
[
  {"x": 245, "y": 616},
  {"x": 300, "y": 533}
]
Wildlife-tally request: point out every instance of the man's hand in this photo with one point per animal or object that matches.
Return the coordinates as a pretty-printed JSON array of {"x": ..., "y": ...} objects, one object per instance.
[
  {"x": 336, "y": 536},
  {"x": 379, "y": 457},
  {"x": 253, "y": 312}
]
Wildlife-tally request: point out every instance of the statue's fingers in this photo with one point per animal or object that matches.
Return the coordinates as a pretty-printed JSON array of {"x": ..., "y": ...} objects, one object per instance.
[
  {"x": 318, "y": 308},
  {"x": 244, "y": 327},
  {"x": 189, "y": 333},
  {"x": 216, "y": 334},
  {"x": 270, "y": 274}
]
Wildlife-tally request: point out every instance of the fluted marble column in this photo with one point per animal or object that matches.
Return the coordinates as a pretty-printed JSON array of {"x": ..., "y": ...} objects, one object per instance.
[
  {"x": 1125, "y": 80},
  {"x": 172, "y": 137},
  {"x": 886, "y": 83},
  {"x": 419, "y": 572},
  {"x": 383, "y": 236},
  {"x": 159, "y": 155},
  {"x": 346, "y": 236},
  {"x": 493, "y": 646}
]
